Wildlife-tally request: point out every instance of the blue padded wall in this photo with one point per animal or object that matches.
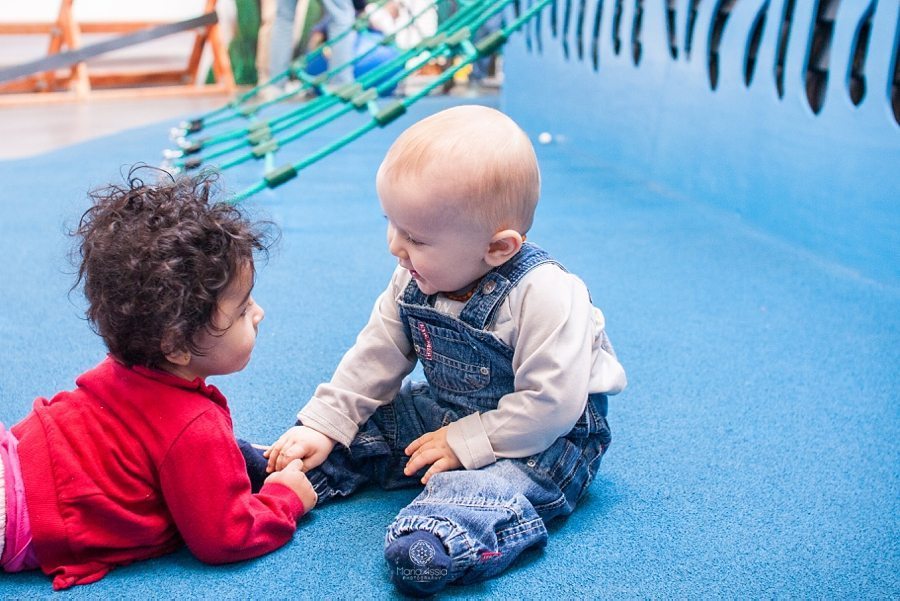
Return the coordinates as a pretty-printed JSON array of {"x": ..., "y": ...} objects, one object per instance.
[{"x": 777, "y": 110}]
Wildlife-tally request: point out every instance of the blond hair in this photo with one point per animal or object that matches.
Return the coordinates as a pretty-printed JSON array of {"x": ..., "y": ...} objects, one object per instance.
[{"x": 477, "y": 157}]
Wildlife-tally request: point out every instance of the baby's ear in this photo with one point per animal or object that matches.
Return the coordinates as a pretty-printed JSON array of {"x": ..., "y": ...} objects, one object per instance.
[{"x": 503, "y": 247}]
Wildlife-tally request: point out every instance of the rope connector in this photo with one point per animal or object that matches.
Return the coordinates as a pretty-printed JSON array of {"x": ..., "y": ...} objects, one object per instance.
[
  {"x": 278, "y": 176},
  {"x": 261, "y": 150},
  {"x": 459, "y": 37},
  {"x": 361, "y": 101},
  {"x": 489, "y": 44},
  {"x": 260, "y": 135},
  {"x": 389, "y": 113}
]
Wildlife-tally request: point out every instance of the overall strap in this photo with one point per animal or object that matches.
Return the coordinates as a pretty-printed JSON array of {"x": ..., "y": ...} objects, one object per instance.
[
  {"x": 491, "y": 290},
  {"x": 497, "y": 284}
]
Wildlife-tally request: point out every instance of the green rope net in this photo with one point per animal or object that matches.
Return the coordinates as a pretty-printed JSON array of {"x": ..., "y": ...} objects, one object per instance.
[{"x": 258, "y": 138}]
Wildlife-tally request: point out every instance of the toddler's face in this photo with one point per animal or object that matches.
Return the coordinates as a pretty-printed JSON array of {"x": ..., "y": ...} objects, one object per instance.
[
  {"x": 239, "y": 316},
  {"x": 442, "y": 249}
]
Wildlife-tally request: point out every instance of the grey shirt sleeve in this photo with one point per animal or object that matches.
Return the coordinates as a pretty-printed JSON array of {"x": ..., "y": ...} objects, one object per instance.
[
  {"x": 561, "y": 353},
  {"x": 370, "y": 373}
]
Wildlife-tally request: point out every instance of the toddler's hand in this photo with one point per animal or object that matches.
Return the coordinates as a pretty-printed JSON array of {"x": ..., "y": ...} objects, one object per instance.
[
  {"x": 431, "y": 448},
  {"x": 293, "y": 477},
  {"x": 300, "y": 442}
]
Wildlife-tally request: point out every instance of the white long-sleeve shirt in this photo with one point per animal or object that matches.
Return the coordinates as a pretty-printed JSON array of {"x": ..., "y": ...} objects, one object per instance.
[{"x": 561, "y": 354}]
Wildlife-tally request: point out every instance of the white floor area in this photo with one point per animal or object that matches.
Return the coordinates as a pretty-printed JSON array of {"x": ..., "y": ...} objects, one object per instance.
[{"x": 30, "y": 129}]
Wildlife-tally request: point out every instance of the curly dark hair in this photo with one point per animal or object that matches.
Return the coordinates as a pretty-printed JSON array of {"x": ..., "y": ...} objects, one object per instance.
[{"x": 155, "y": 258}]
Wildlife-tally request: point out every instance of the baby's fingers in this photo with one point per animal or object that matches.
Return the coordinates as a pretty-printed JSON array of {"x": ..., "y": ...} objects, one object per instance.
[
  {"x": 441, "y": 465},
  {"x": 414, "y": 445},
  {"x": 289, "y": 453},
  {"x": 282, "y": 461},
  {"x": 272, "y": 455},
  {"x": 420, "y": 459}
]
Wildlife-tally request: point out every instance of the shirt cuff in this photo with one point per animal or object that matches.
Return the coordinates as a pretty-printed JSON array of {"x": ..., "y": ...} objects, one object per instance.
[
  {"x": 297, "y": 507},
  {"x": 322, "y": 417},
  {"x": 470, "y": 442}
]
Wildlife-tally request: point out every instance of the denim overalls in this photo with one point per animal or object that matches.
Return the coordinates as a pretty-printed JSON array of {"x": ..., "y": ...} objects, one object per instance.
[{"x": 488, "y": 516}]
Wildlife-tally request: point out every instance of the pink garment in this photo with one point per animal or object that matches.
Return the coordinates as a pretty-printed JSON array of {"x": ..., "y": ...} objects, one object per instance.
[{"x": 18, "y": 552}]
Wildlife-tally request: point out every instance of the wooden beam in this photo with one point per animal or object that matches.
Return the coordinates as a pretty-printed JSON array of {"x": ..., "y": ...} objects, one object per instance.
[{"x": 66, "y": 34}]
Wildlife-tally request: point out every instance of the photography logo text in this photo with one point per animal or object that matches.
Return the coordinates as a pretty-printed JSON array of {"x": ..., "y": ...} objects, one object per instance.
[{"x": 421, "y": 553}]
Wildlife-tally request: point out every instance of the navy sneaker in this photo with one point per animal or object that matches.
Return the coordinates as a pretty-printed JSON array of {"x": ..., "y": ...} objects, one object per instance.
[
  {"x": 419, "y": 564},
  {"x": 256, "y": 464}
]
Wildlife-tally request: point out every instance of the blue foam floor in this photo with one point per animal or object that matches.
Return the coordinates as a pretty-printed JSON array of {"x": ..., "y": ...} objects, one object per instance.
[{"x": 754, "y": 453}]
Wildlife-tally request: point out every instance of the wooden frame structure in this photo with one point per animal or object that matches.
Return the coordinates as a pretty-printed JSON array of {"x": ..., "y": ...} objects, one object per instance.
[{"x": 78, "y": 82}]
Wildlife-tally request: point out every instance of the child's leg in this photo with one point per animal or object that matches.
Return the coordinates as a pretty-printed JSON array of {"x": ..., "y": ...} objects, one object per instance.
[
  {"x": 256, "y": 464},
  {"x": 485, "y": 518},
  {"x": 377, "y": 455}
]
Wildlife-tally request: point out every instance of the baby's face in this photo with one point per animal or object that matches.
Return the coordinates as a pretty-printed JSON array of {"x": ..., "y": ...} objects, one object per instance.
[{"x": 439, "y": 246}]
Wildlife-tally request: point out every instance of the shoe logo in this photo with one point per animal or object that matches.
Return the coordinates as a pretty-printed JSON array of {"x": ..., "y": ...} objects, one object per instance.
[{"x": 421, "y": 553}]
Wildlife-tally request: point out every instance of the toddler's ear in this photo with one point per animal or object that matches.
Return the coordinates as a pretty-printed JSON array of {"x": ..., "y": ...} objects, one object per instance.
[
  {"x": 503, "y": 247},
  {"x": 172, "y": 354}
]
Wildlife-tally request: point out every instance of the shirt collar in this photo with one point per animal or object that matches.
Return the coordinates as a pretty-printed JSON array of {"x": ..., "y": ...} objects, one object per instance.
[{"x": 164, "y": 377}]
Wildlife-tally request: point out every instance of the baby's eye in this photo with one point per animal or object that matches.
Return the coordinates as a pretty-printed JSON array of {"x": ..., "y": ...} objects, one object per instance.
[{"x": 412, "y": 240}]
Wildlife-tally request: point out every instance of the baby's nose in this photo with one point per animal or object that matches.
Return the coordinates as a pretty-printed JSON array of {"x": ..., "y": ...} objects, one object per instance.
[{"x": 395, "y": 247}]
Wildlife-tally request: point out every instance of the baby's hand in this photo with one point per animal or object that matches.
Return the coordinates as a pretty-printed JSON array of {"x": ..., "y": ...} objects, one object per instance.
[
  {"x": 300, "y": 442},
  {"x": 293, "y": 477},
  {"x": 431, "y": 448}
]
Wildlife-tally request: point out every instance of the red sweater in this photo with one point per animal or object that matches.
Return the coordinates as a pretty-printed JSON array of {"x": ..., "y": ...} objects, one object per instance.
[{"x": 132, "y": 463}]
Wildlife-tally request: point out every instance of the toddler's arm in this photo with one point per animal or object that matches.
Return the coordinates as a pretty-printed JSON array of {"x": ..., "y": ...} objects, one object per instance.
[{"x": 211, "y": 503}]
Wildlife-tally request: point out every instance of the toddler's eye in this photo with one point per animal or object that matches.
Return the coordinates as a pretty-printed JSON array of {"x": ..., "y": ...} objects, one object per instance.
[{"x": 412, "y": 240}]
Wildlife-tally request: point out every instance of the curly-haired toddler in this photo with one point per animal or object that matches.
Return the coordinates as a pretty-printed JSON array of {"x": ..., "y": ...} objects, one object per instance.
[{"x": 108, "y": 473}]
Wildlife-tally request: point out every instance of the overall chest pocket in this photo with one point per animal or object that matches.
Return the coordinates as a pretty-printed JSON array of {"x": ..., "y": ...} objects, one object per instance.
[{"x": 448, "y": 359}]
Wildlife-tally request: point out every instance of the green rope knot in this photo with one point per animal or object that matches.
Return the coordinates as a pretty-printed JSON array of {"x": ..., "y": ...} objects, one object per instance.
[
  {"x": 276, "y": 177},
  {"x": 434, "y": 41},
  {"x": 389, "y": 113},
  {"x": 489, "y": 44},
  {"x": 260, "y": 135},
  {"x": 261, "y": 150},
  {"x": 361, "y": 101},
  {"x": 347, "y": 91},
  {"x": 459, "y": 37}
]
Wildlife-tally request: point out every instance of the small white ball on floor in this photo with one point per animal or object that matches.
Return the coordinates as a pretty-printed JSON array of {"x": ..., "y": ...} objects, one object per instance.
[{"x": 545, "y": 137}]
